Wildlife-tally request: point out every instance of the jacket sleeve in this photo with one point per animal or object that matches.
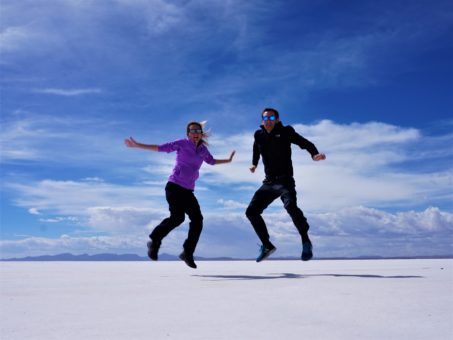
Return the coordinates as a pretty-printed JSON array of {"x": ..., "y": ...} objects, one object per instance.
[
  {"x": 303, "y": 143},
  {"x": 207, "y": 157},
  {"x": 169, "y": 147},
  {"x": 256, "y": 151}
]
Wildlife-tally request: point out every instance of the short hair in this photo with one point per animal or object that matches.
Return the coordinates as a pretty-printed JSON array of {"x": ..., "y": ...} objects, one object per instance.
[{"x": 272, "y": 110}]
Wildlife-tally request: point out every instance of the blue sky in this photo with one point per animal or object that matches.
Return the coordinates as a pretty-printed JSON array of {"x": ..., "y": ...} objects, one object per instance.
[{"x": 369, "y": 82}]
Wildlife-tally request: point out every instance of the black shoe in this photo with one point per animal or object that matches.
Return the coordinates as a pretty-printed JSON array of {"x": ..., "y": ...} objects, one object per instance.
[
  {"x": 307, "y": 251},
  {"x": 264, "y": 253},
  {"x": 153, "y": 249},
  {"x": 188, "y": 259}
]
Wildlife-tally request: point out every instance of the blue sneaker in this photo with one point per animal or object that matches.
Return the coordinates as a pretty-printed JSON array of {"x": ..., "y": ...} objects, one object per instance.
[
  {"x": 264, "y": 253},
  {"x": 307, "y": 251}
]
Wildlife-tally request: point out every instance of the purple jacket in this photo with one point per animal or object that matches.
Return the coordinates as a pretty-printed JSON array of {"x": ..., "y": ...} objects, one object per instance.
[{"x": 188, "y": 161}]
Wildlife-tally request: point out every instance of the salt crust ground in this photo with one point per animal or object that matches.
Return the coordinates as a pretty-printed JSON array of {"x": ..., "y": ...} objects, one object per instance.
[{"x": 363, "y": 299}]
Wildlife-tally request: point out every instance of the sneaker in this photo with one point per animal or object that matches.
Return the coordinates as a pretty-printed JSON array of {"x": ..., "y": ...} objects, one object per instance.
[
  {"x": 188, "y": 259},
  {"x": 307, "y": 251},
  {"x": 153, "y": 249},
  {"x": 264, "y": 253}
]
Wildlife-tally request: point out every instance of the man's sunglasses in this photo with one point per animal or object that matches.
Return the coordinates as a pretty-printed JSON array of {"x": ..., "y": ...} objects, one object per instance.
[
  {"x": 266, "y": 118},
  {"x": 195, "y": 131}
]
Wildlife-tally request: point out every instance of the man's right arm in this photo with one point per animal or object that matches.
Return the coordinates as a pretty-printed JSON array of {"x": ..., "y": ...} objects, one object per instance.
[{"x": 256, "y": 156}]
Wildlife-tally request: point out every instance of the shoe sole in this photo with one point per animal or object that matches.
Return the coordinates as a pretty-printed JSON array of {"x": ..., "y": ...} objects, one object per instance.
[{"x": 267, "y": 255}]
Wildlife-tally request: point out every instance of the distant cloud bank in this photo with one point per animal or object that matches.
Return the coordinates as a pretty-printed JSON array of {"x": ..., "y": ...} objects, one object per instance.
[{"x": 68, "y": 92}]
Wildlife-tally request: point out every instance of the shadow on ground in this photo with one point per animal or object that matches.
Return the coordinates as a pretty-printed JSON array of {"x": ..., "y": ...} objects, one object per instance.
[{"x": 302, "y": 276}]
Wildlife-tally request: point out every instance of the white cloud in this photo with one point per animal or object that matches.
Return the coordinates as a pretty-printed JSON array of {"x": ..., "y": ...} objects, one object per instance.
[
  {"x": 77, "y": 198},
  {"x": 12, "y": 38},
  {"x": 123, "y": 219},
  {"x": 34, "y": 211},
  {"x": 355, "y": 231},
  {"x": 28, "y": 136},
  {"x": 59, "y": 219},
  {"x": 371, "y": 164},
  {"x": 371, "y": 171},
  {"x": 341, "y": 197},
  {"x": 160, "y": 16},
  {"x": 359, "y": 136},
  {"x": 363, "y": 221},
  {"x": 69, "y": 92},
  {"x": 232, "y": 204}
]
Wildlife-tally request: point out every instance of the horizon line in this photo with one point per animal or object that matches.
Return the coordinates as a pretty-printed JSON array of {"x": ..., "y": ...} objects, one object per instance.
[{"x": 106, "y": 257}]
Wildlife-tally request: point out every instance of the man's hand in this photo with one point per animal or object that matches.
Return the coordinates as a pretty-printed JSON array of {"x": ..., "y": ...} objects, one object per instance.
[
  {"x": 252, "y": 169},
  {"x": 319, "y": 157}
]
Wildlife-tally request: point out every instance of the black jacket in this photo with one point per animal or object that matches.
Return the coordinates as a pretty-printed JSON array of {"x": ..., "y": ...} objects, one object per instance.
[{"x": 275, "y": 148}]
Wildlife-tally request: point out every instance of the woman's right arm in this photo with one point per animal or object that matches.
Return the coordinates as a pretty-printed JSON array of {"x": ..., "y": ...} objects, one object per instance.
[{"x": 132, "y": 143}]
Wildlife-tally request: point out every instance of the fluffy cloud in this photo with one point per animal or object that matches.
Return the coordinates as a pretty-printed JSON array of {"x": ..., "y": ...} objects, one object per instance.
[
  {"x": 123, "y": 219},
  {"x": 370, "y": 164},
  {"x": 366, "y": 191},
  {"x": 69, "y": 92},
  {"x": 13, "y": 38},
  {"x": 355, "y": 231},
  {"x": 82, "y": 198},
  {"x": 363, "y": 221}
]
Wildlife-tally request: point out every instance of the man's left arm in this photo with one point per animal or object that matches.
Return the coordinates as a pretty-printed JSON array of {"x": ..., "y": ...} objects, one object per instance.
[{"x": 304, "y": 143}]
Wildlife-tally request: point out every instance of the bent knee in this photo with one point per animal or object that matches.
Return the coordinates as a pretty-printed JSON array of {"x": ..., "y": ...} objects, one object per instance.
[
  {"x": 251, "y": 212},
  {"x": 294, "y": 210},
  {"x": 197, "y": 219}
]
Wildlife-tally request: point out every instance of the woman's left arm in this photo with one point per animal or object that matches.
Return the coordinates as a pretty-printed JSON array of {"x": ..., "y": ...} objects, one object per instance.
[{"x": 223, "y": 161}]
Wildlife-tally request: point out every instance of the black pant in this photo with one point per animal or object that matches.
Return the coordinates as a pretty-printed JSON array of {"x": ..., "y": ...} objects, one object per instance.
[
  {"x": 181, "y": 201},
  {"x": 266, "y": 194}
]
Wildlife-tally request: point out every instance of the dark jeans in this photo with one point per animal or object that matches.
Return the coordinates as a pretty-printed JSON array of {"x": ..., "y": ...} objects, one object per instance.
[
  {"x": 181, "y": 201},
  {"x": 266, "y": 194}
]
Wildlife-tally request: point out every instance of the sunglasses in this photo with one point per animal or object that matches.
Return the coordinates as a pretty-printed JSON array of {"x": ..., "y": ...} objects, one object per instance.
[
  {"x": 195, "y": 131},
  {"x": 266, "y": 118}
]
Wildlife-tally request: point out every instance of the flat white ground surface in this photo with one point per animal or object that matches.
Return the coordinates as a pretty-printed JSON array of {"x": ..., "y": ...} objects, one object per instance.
[{"x": 363, "y": 299}]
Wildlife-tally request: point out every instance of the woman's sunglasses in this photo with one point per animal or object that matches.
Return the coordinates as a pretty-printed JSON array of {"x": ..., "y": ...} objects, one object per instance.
[{"x": 195, "y": 131}]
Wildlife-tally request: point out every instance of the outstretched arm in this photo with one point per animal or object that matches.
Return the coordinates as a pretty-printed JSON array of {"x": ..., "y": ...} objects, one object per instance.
[
  {"x": 306, "y": 144},
  {"x": 223, "y": 161},
  {"x": 130, "y": 142}
]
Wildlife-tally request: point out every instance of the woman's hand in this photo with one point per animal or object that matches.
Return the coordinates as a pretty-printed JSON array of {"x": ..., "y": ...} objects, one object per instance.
[
  {"x": 231, "y": 156},
  {"x": 223, "y": 161},
  {"x": 130, "y": 142}
]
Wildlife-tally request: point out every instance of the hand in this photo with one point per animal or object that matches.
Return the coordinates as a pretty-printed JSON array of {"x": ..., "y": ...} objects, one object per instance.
[
  {"x": 130, "y": 142},
  {"x": 252, "y": 169},
  {"x": 232, "y": 155},
  {"x": 319, "y": 157}
]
